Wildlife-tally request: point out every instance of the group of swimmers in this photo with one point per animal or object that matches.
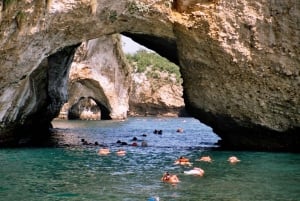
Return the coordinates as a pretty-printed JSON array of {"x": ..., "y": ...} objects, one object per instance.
[
  {"x": 134, "y": 139},
  {"x": 167, "y": 177},
  {"x": 119, "y": 142},
  {"x": 134, "y": 142},
  {"x": 120, "y": 152},
  {"x": 156, "y": 131},
  {"x": 84, "y": 142},
  {"x": 173, "y": 179},
  {"x": 159, "y": 132}
]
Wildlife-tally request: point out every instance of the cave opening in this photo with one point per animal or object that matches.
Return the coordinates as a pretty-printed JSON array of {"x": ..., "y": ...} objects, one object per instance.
[
  {"x": 88, "y": 108},
  {"x": 105, "y": 113},
  {"x": 160, "y": 78},
  {"x": 87, "y": 95}
]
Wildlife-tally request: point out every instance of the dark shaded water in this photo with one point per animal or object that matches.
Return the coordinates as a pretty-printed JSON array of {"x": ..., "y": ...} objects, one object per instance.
[{"x": 76, "y": 172}]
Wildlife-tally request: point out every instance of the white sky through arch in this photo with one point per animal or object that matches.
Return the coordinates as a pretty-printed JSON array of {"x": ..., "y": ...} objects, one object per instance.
[{"x": 131, "y": 47}]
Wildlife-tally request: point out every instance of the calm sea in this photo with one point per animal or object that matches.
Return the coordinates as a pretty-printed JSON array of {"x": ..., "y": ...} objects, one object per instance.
[{"x": 72, "y": 171}]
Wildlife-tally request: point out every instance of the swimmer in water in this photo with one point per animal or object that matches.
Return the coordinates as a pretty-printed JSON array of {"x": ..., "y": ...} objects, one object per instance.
[
  {"x": 170, "y": 178},
  {"x": 121, "y": 152},
  {"x": 205, "y": 159},
  {"x": 179, "y": 130},
  {"x": 103, "y": 151},
  {"x": 195, "y": 171},
  {"x": 183, "y": 161},
  {"x": 233, "y": 159}
]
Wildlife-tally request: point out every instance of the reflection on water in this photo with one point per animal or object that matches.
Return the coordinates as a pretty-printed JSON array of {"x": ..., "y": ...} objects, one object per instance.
[{"x": 76, "y": 172}]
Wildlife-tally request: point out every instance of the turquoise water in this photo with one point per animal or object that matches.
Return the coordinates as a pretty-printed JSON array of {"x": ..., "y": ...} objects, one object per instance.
[{"x": 72, "y": 171}]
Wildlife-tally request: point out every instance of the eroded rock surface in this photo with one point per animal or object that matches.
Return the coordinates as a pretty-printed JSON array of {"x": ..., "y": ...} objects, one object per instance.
[
  {"x": 155, "y": 97},
  {"x": 239, "y": 60},
  {"x": 100, "y": 72}
]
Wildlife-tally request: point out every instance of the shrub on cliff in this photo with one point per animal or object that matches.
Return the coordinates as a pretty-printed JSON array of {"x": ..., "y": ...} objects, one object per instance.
[{"x": 150, "y": 63}]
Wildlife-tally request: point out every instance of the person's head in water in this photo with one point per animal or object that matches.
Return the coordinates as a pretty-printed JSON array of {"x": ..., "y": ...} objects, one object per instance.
[
  {"x": 233, "y": 159},
  {"x": 170, "y": 178},
  {"x": 103, "y": 151}
]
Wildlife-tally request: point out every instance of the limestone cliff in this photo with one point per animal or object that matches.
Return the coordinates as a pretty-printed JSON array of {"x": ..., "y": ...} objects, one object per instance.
[
  {"x": 239, "y": 60},
  {"x": 155, "y": 97},
  {"x": 100, "y": 72},
  {"x": 156, "y": 86},
  {"x": 100, "y": 86}
]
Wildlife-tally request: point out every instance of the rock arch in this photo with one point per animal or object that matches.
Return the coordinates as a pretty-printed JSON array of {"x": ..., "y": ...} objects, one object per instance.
[
  {"x": 87, "y": 108},
  {"x": 100, "y": 71},
  {"x": 239, "y": 61},
  {"x": 105, "y": 113},
  {"x": 88, "y": 89}
]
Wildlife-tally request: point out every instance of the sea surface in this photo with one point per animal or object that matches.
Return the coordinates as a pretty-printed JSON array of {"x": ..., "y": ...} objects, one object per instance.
[{"x": 73, "y": 171}]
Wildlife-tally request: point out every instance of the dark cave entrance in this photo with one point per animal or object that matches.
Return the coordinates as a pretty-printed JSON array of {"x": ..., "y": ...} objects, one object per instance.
[
  {"x": 88, "y": 108},
  {"x": 105, "y": 113}
]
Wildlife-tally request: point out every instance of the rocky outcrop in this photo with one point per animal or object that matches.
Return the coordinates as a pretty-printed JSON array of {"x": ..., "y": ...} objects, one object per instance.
[
  {"x": 99, "y": 73},
  {"x": 239, "y": 60},
  {"x": 100, "y": 82},
  {"x": 155, "y": 97}
]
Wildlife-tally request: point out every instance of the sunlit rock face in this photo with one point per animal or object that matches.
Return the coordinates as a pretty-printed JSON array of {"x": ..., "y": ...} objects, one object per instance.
[
  {"x": 239, "y": 60},
  {"x": 155, "y": 97},
  {"x": 100, "y": 72}
]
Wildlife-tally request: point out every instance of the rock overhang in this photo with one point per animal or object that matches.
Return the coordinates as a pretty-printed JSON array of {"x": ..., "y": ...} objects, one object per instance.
[{"x": 227, "y": 83}]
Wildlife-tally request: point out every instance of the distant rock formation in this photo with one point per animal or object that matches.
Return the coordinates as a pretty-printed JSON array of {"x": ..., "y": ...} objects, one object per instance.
[
  {"x": 155, "y": 97},
  {"x": 145, "y": 96},
  {"x": 100, "y": 77},
  {"x": 85, "y": 109}
]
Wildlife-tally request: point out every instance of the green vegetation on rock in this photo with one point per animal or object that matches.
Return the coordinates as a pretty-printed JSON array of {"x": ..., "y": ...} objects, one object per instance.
[
  {"x": 20, "y": 19},
  {"x": 7, "y": 3},
  {"x": 151, "y": 63}
]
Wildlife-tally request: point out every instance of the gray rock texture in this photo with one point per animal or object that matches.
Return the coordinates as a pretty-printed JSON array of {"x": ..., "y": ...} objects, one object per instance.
[
  {"x": 100, "y": 72},
  {"x": 239, "y": 60}
]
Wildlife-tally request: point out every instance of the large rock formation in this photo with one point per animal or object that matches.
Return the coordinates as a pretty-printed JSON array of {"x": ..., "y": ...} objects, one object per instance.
[
  {"x": 155, "y": 97},
  {"x": 100, "y": 72},
  {"x": 103, "y": 86},
  {"x": 239, "y": 60}
]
